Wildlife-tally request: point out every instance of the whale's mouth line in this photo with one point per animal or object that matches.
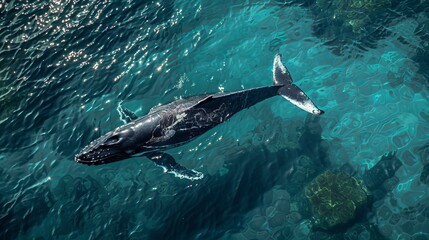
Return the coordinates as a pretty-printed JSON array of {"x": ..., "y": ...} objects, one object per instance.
[{"x": 100, "y": 159}]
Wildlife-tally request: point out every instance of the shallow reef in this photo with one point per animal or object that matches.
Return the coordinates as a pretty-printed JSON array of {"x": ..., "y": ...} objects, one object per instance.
[
  {"x": 360, "y": 22},
  {"x": 336, "y": 199},
  {"x": 355, "y": 15}
]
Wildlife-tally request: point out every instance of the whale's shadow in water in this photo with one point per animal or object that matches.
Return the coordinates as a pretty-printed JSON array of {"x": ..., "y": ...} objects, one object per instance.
[{"x": 219, "y": 203}]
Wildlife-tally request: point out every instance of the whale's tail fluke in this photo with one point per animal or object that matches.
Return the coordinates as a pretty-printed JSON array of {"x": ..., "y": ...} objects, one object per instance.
[{"x": 292, "y": 93}]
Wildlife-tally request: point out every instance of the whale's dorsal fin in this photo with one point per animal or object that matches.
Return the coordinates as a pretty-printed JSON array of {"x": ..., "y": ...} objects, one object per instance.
[
  {"x": 161, "y": 107},
  {"x": 203, "y": 101},
  {"x": 167, "y": 162},
  {"x": 183, "y": 102}
]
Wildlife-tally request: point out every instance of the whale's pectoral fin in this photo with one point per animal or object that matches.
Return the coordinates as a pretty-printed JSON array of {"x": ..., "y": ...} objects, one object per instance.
[
  {"x": 167, "y": 162},
  {"x": 126, "y": 115}
]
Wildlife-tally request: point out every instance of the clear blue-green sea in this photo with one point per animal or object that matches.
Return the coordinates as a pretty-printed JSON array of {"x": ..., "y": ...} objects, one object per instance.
[{"x": 68, "y": 66}]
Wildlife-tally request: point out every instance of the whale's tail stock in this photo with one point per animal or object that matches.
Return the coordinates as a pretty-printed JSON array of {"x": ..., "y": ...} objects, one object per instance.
[{"x": 290, "y": 91}]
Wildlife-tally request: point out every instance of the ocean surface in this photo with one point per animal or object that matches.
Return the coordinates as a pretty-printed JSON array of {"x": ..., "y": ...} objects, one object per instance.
[{"x": 67, "y": 66}]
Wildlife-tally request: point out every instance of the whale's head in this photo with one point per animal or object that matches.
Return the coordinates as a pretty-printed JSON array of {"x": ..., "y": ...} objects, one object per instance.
[{"x": 114, "y": 146}]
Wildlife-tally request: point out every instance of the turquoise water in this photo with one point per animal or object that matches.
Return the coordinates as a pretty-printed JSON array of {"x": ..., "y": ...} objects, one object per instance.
[{"x": 66, "y": 67}]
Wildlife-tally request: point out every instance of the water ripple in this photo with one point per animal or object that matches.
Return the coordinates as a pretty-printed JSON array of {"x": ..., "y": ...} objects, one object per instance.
[{"x": 68, "y": 64}]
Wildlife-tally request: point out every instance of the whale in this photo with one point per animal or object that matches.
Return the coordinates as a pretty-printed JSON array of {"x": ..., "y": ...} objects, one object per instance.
[{"x": 178, "y": 122}]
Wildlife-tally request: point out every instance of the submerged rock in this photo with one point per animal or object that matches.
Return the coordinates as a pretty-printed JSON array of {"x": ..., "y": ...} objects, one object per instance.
[
  {"x": 382, "y": 171},
  {"x": 358, "y": 231},
  {"x": 357, "y": 15},
  {"x": 336, "y": 199},
  {"x": 424, "y": 176},
  {"x": 304, "y": 169},
  {"x": 362, "y": 23}
]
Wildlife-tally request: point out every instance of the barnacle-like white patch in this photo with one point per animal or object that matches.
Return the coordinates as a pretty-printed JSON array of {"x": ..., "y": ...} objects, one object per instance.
[{"x": 181, "y": 116}]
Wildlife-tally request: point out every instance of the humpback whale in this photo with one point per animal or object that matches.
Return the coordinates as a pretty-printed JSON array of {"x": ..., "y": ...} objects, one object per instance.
[{"x": 180, "y": 121}]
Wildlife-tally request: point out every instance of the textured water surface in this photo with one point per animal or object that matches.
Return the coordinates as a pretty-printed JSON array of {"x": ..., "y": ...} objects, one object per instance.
[{"x": 67, "y": 66}]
